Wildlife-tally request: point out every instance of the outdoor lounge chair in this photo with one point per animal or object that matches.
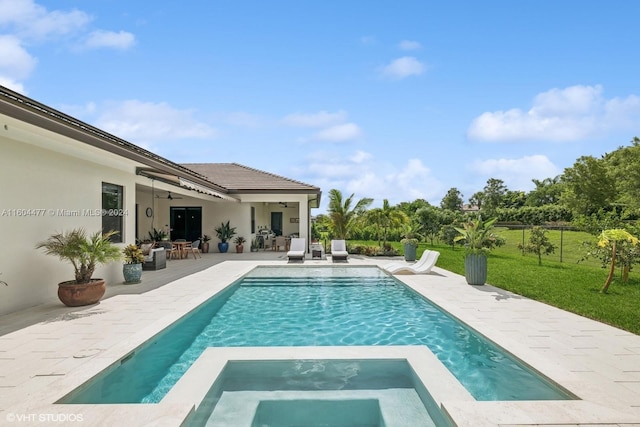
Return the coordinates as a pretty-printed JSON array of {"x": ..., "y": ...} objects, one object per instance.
[
  {"x": 339, "y": 250},
  {"x": 297, "y": 249},
  {"x": 155, "y": 260},
  {"x": 423, "y": 266},
  {"x": 395, "y": 264}
]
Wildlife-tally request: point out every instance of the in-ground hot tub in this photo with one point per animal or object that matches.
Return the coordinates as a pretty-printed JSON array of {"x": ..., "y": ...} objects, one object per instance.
[{"x": 317, "y": 386}]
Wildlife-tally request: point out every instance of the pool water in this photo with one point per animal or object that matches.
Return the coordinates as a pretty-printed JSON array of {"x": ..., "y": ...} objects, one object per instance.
[{"x": 302, "y": 306}]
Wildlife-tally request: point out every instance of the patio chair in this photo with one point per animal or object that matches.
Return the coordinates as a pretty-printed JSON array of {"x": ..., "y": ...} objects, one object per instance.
[
  {"x": 281, "y": 241},
  {"x": 339, "y": 250},
  {"x": 297, "y": 249},
  {"x": 193, "y": 248},
  {"x": 174, "y": 251},
  {"x": 423, "y": 266},
  {"x": 267, "y": 242}
]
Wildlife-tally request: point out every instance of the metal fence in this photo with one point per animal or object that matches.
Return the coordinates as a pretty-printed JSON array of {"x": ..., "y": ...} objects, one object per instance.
[{"x": 567, "y": 240}]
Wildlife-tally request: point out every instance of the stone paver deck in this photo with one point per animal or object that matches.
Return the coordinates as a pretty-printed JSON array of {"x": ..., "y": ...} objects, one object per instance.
[{"x": 62, "y": 348}]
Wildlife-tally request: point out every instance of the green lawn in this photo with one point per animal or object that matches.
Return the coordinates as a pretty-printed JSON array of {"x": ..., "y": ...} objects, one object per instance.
[{"x": 567, "y": 285}]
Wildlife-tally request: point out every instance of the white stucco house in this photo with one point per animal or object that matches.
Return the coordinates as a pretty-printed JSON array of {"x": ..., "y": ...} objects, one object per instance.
[{"x": 58, "y": 173}]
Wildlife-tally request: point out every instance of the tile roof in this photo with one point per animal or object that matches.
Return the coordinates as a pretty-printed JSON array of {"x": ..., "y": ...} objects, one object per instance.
[{"x": 239, "y": 178}]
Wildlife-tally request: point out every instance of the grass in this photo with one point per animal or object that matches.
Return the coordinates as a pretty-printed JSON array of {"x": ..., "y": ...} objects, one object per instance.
[{"x": 567, "y": 285}]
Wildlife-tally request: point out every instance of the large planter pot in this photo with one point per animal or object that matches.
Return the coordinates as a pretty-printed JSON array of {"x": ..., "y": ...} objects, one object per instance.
[
  {"x": 132, "y": 273},
  {"x": 475, "y": 269},
  {"x": 239, "y": 248},
  {"x": 74, "y": 295},
  {"x": 223, "y": 247},
  {"x": 205, "y": 247},
  {"x": 410, "y": 252}
]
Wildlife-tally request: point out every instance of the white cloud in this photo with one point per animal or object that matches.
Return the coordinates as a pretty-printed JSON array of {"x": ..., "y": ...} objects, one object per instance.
[
  {"x": 13, "y": 85},
  {"x": 361, "y": 156},
  {"x": 568, "y": 114},
  {"x": 409, "y": 45},
  {"x": 30, "y": 20},
  {"x": 403, "y": 67},
  {"x": 334, "y": 126},
  {"x": 25, "y": 23},
  {"x": 146, "y": 123},
  {"x": 98, "y": 39},
  {"x": 312, "y": 120},
  {"x": 365, "y": 176},
  {"x": 517, "y": 173},
  {"x": 15, "y": 62},
  {"x": 339, "y": 133}
]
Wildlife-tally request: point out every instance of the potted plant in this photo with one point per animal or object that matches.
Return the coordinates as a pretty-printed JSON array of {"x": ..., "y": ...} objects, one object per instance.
[
  {"x": 479, "y": 240},
  {"x": 239, "y": 241},
  {"x": 225, "y": 232},
  {"x": 410, "y": 241},
  {"x": 132, "y": 268},
  {"x": 84, "y": 253},
  {"x": 254, "y": 245},
  {"x": 158, "y": 235},
  {"x": 205, "y": 243}
]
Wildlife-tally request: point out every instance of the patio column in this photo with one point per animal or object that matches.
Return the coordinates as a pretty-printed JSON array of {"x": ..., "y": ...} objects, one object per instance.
[{"x": 304, "y": 224}]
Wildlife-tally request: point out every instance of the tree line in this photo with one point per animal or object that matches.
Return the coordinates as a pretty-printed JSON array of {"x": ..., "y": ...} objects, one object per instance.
[{"x": 592, "y": 195}]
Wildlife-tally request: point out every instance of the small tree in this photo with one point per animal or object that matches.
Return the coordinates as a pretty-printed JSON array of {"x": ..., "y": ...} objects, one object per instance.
[
  {"x": 448, "y": 234},
  {"x": 538, "y": 244},
  {"x": 610, "y": 239}
]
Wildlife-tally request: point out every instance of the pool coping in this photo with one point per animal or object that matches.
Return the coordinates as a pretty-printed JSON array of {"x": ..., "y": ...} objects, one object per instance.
[{"x": 597, "y": 362}]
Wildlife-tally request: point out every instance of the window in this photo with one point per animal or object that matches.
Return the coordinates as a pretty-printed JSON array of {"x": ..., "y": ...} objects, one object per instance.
[
  {"x": 253, "y": 220},
  {"x": 112, "y": 210}
]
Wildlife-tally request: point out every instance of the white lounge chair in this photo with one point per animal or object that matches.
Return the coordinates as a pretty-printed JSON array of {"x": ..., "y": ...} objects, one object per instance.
[
  {"x": 297, "y": 249},
  {"x": 339, "y": 250},
  {"x": 395, "y": 264},
  {"x": 423, "y": 266}
]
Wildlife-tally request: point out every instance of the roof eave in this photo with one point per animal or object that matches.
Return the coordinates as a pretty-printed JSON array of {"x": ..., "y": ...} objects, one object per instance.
[{"x": 29, "y": 111}]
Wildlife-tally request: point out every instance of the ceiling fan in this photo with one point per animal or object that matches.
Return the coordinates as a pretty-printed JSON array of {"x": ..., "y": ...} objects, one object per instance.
[{"x": 169, "y": 196}]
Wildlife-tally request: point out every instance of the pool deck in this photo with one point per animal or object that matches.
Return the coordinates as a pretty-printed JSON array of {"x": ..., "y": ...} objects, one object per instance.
[{"x": 49, "y": 350}]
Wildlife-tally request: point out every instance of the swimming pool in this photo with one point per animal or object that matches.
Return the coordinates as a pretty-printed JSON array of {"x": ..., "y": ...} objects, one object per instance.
[{"x": 318, "y": 306}]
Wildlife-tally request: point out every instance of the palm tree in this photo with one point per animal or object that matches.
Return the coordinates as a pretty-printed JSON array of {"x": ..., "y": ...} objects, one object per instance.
[
  {"x": 387, "y": 217},
  {"x": 343, "y": 217}
]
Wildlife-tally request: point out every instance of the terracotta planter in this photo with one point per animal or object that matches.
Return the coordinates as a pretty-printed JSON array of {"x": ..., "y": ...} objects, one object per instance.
[
  {"x": 475, "y": 269},
  {"x": 74, "y": 295},
  {"x": 239, "y": 248},
  {"x": 205, "y": 247}
]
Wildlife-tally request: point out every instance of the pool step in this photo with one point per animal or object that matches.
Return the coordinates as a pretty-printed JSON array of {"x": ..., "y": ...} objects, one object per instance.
[{"x": 339, "y": 408}]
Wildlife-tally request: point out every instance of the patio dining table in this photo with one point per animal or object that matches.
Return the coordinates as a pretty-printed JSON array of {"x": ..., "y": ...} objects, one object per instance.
[{"x": 182, "y": 252}]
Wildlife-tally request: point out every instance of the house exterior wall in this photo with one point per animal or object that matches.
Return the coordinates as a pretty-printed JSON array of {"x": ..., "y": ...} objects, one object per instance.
[
  {"x": 51, "y": 183},
  {"x": 46, "y": 189}
]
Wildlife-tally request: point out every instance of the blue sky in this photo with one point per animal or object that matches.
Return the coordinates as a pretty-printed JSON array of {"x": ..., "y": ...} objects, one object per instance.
[{"x": 390, "y": 100}]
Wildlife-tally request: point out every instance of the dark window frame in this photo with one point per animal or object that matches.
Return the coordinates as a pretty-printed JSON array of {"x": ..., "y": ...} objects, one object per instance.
[{"x": 113, "y": 210}]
